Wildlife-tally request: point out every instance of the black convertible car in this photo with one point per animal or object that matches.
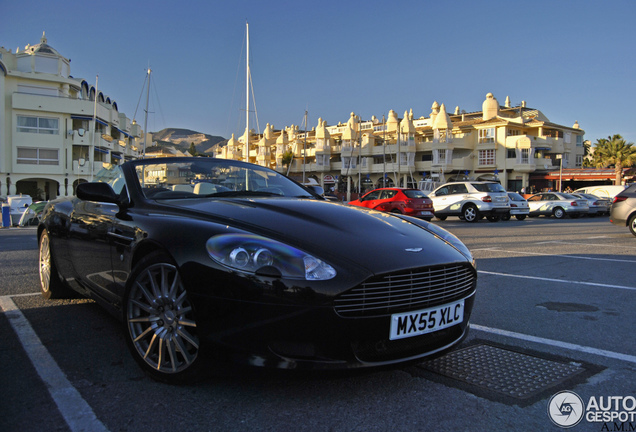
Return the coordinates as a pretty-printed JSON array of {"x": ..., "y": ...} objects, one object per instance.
[{"x": 211, "y": 258}]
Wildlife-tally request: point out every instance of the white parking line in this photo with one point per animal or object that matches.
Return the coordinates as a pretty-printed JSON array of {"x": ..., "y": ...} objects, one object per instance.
[
  {"x": 78, "y": 415},
  {"x": 578, "y": 257},
  {"x": 557, "y": 344},
  {"x": 565, "y": 281}
]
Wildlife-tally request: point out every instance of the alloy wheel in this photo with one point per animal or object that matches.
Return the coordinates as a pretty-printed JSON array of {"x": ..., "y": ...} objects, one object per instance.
[
  {"x": 160, "y": 320},
  {"x": 45, "y": 263}
]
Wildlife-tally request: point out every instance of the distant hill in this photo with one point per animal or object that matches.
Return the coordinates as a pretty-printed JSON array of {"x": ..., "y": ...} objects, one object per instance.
[{"x": 182, "y": 138}]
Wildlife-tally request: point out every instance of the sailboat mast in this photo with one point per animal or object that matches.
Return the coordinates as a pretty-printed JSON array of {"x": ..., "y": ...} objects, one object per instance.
[
  {"x": 91, "y": 158},
  {"x": 247, "y": 95},
  {"x": 143, "y": 153}
]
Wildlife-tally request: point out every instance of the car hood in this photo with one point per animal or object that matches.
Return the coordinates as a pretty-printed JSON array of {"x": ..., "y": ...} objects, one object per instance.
[{"x": 377, "y": 241}]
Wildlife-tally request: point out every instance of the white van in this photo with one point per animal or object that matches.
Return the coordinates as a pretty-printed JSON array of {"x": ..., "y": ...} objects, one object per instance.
[{"x": 606, "y": 191}]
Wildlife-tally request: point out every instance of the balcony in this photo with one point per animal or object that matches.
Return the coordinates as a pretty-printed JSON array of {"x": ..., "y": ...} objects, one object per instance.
[
  {"x": 84, "y": 170},
  {"x": 34, "y": 102}
]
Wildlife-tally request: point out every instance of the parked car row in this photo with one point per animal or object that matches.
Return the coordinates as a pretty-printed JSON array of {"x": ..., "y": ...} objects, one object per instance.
[{"x": 474, "y": 200}]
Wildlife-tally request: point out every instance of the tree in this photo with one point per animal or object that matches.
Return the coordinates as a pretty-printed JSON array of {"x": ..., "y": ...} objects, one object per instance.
[
  {"x": 193, "y": 149},
  {"x": 614, "y": 151},
  {"x": 288, "y": 156}
]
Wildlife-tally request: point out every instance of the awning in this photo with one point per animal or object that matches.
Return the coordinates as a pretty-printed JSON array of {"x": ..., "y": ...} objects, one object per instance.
[
  {"x": 101, "y": 150},
  {"x": 123, "y": 132},
  {"x": 581, "y": 174}
]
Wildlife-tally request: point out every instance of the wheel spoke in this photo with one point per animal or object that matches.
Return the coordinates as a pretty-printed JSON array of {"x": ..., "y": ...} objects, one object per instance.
[
  {"x": 187, "y": 322},
  {"x": 145, "y": 307},
  {"x": 184, "y": 334},
  {"x": 150, "y": 346},
  {"x": 143, "y": 335},
  {"x": 171, "y": 352}
]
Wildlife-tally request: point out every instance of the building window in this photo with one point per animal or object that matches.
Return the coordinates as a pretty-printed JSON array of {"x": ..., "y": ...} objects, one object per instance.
[
  {"x": 486, "y": 157},
  {"x": 525, "y": 156},
  {"x": 486, "y": 136},
  {"x": 579, "y": 140},
  {"x": 511, "y": 153},
  {"x": 579, "y": 161},
  {"x": 514, "y": 132},
  {"x": 38, "y": 156},
  {"x": 42, "y": 125}
]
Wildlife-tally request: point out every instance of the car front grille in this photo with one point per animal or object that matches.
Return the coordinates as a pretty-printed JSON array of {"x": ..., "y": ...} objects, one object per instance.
[{"x": 409, "y": 290}]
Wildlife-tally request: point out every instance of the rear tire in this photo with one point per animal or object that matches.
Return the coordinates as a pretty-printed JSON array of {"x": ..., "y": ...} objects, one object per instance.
[
  {"x": 51, "y": 286},
  {"x": 506, "y": 217},
  {"x": 520, "y": 217},
  {"x": 632, "y": 225}
]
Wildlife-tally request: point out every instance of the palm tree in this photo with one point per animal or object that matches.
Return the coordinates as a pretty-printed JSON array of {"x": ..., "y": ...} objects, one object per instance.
[{"x": 614, "y": 151}]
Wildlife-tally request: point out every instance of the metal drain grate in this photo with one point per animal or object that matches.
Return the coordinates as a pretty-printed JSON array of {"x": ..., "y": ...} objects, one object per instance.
[{"x": 509, "y": 374}]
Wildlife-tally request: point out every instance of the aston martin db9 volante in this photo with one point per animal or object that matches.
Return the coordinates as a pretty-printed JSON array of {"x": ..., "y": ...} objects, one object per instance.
[{"x": 205, "y": 258}]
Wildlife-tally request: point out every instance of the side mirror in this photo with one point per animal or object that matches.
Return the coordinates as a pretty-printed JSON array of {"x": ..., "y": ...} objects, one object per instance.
[{"x": 96, "y": 191}]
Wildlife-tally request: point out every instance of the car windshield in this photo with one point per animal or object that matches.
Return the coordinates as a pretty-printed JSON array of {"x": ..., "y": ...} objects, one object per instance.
[{"x": 179, "y": 178}]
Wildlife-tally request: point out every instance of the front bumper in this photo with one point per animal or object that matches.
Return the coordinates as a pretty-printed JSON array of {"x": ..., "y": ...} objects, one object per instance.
[{"x": 297, "y": 337}]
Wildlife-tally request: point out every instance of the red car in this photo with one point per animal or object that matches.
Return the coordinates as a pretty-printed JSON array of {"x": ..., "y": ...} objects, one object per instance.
[{"x": 410, "y": 202}]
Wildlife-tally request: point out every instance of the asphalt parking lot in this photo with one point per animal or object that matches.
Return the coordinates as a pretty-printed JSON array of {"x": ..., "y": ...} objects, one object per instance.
[{"x": 553, "y": 313}]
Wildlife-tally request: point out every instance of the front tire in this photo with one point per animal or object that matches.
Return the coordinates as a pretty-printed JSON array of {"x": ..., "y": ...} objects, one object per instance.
[
  {"x": 51, "y": 286},
  {"x": 506, "y": 217},
  {"x": 161, "y": 330},
  {"x": 520, "y": 217},
  {"x": 470, "y": 213}
]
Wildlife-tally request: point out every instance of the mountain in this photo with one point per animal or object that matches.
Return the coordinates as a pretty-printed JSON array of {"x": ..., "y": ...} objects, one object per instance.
[{"x": 183, "y": 138}]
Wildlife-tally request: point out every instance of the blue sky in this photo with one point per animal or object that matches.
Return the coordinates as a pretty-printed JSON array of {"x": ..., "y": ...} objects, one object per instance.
[{"x": 573, "y": 60}]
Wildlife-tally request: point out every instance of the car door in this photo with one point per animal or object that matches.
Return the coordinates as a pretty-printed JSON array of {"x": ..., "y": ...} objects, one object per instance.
[
  {"x": 371, "y": 199},
  {"x": 89, "y": 245},
  {"x": 440, "y": 199},
  {"x": 534, "y": 203},
  {"x": 457, "y": 194},
  {"x": 90, "y": 242},
  {"x": 386, "y": 200}
]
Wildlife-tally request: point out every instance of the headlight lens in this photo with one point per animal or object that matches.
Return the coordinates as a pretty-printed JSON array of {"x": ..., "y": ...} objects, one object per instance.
[{"x": 249, "y": 253}]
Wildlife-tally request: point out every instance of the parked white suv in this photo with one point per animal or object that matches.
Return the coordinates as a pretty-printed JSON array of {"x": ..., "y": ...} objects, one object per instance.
[{"x": 470, "y": 200}]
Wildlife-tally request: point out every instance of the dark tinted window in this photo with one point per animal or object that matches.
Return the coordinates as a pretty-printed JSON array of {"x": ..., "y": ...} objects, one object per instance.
[
  {"x": 373, "y": 195},
  {"x": 414, "y": 193}
]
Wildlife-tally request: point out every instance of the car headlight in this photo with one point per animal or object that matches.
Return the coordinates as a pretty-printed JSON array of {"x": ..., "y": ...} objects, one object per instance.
[
  {"x": 451, "y": 239},
  {"x": 250, "y": 253}
]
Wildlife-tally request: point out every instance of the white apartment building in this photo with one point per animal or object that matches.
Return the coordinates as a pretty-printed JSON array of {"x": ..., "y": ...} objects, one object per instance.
[
  {"x": 56, "y": 130},
  {"x": 500, "y": 141}
]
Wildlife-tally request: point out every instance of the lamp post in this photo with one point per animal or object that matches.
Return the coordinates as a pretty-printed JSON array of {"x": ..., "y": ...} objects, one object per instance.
[{"x": 560, "y": 158}]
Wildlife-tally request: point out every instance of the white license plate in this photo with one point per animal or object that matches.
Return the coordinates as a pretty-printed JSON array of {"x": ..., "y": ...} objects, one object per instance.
[{"x": 409, "y": 324}]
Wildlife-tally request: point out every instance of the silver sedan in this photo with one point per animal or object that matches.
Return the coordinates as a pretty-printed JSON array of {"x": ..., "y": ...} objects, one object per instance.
[
  {"x": 557, "y": 204},
  {"x": 598, "y": 206}
]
